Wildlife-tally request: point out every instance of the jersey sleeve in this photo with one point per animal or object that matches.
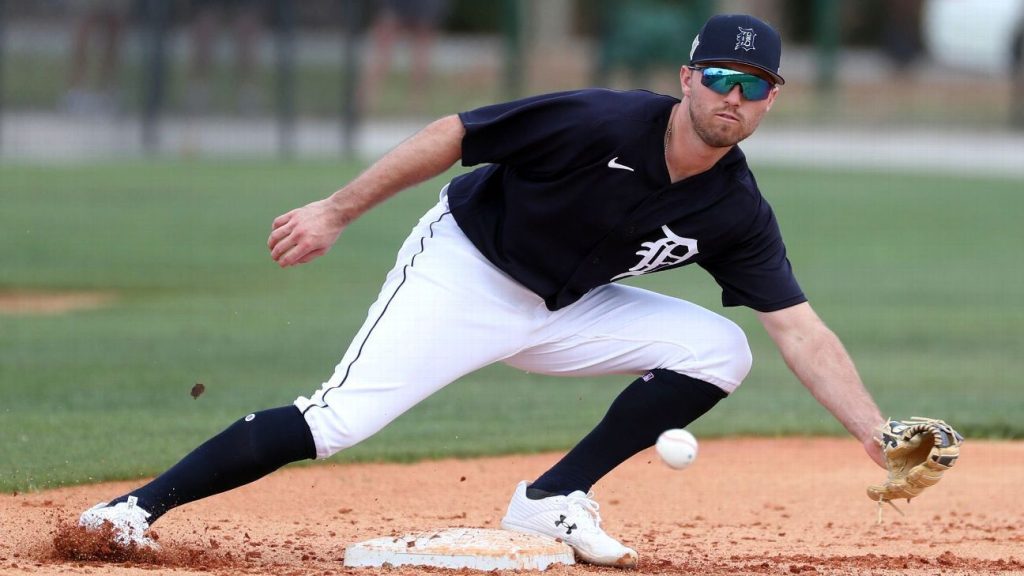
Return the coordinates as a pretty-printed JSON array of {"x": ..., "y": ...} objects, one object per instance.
[
  {"x": 539, "y": 133},
  {"x": 757, "y": 273}
]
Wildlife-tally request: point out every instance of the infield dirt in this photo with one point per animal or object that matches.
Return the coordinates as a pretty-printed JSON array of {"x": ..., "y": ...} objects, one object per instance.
[
  {"x": 43, "y": 302},
  {"x": 747, "y": 506}
]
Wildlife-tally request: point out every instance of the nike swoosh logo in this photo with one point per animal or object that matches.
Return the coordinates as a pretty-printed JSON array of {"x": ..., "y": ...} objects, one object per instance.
[{"x": 613, "y": 163}]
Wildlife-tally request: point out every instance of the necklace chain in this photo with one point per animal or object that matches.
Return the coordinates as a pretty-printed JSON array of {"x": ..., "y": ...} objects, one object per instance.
[{"x": 668, "y": 131}]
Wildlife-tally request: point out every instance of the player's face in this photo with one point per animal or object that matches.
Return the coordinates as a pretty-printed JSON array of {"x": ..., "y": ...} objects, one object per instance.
[{"x": 723, "y": 120}]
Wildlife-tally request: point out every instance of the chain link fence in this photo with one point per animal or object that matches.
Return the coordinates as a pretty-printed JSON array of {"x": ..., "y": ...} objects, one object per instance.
[{"x": 192, "y": 78}]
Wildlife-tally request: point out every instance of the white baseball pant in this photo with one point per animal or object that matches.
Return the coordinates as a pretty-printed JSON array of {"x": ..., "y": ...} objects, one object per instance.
[{"x": 444, "y": 311}]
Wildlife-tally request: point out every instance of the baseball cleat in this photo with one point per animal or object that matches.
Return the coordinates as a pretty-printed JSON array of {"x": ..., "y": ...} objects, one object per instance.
[
  {"x": 128, "y": 520},
  {"x": 572, "y": 519}
]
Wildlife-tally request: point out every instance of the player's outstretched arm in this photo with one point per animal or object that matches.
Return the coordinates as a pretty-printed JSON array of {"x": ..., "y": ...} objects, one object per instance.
[
  {"x": 308, "y": 232},
  {"x": 817, "y": 357}
]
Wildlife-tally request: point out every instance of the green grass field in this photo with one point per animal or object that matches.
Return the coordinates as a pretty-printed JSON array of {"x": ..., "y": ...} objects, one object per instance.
[{"x": 920, "y": 276}]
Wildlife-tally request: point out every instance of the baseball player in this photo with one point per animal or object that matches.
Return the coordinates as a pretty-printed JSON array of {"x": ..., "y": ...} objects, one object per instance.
[{"x": 518, "y": 263}]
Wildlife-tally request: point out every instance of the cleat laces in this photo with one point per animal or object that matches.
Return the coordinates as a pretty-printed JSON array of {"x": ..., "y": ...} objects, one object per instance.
[{"x": 584, "y": 511}]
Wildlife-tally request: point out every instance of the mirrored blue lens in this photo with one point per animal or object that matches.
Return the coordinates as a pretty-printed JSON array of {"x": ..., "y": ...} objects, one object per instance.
[{"x": 721, "y": 80}]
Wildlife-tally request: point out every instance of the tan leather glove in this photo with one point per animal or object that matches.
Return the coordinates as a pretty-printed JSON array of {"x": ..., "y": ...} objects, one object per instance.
[{"x": 918, "y": 452}]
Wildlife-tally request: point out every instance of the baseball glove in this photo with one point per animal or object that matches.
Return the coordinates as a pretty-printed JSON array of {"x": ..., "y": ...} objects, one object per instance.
[{"x": 917, "y": 452}]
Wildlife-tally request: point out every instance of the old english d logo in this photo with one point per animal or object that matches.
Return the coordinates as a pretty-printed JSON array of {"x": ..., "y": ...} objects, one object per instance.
[
  {"x": 661, "y": 253},
  {"x": 745, "y": 39}
]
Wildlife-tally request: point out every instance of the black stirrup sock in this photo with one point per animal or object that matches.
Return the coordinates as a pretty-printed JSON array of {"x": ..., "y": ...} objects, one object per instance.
[
  {"x": 656, "y": 402},
  {"x": 246, "y": 451}
]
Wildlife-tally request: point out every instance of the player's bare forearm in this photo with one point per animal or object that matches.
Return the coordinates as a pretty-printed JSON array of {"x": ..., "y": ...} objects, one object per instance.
[
  {"x": 818, "y": 359},
  {"x": 426, "y": 154},
  {"x": 308, "y": 232}
]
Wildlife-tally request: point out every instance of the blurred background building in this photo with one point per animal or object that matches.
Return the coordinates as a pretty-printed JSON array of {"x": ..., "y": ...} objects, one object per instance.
[{"x": 85, "y": 79}]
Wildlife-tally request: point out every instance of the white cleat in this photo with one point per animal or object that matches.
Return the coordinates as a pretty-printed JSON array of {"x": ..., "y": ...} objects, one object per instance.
[
  {"x": 572, "y": 519},
  {"x": 128, "y": 520}
]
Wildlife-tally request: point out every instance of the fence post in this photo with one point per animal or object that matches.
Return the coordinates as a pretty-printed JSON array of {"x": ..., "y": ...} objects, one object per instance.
[
  {"x": 351, "y": 14},
  {"x": 156, "y": 15},
  {"x": 827, "y": 31},
  {"x": 1017, "y": 74},
  {"x": 3, "y": 53},
  {"x": 512, "y": 28},
  {"x": 285, "y": 81}
]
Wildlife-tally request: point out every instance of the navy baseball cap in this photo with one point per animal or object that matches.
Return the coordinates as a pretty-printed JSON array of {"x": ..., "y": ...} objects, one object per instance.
[{"x": 739, "y": 38}]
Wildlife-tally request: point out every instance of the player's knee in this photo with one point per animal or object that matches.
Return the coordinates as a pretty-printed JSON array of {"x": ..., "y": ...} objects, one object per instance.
[
  {"x": 336, "y": 431},
  {"x": 743, "y": 357},
  {"x": 734, "y": 353}
]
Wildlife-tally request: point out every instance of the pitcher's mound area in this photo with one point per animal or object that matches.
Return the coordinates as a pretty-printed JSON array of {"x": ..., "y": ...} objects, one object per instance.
[
  {"x": 474, "y": 548},
  {"x": 746, "y": 506}
]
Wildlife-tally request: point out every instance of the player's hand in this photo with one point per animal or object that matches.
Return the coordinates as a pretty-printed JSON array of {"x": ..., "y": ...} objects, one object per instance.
[
  {"x": 874, "y": 450},
  {"x": 304, "y": 234}
]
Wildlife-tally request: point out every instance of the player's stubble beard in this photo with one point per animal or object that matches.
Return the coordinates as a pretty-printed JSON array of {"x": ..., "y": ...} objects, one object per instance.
[{"x": 716, "y": 132}]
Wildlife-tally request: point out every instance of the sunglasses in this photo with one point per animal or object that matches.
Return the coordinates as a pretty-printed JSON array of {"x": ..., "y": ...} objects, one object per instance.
[{"x": 721, "y": 80}]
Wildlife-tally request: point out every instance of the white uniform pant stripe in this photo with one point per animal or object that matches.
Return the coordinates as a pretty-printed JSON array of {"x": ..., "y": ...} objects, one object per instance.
[
  {"x": 437, "y": 318},
  {"x": 368, "y": 326}
]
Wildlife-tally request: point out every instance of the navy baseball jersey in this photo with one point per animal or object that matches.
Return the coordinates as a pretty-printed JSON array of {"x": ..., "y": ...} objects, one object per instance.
[{"x": 576, "y": 194}]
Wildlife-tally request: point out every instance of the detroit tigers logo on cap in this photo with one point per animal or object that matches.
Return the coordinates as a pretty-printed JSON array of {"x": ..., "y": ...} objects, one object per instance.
[
  {"x": 739, "y": 38},
  {"x": 745, "y": 39}
]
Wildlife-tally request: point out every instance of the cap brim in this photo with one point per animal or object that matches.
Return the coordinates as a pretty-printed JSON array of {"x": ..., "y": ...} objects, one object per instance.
[{"x": 775, "y": 77}]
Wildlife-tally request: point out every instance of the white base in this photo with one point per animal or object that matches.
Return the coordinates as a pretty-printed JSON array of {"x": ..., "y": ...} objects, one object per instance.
[{"x": 473, "y": 548}]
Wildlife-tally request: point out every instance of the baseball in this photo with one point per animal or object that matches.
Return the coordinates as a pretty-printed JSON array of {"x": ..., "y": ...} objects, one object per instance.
[{"x": 677, "y": 448}]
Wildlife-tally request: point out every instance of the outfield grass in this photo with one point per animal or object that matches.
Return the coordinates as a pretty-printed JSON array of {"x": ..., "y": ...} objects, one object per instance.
[{"x": 920, "y": 276}]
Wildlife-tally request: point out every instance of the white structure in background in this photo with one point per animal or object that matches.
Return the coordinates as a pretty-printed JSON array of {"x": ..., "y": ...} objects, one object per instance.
[{"x": 974, "y": 34}]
